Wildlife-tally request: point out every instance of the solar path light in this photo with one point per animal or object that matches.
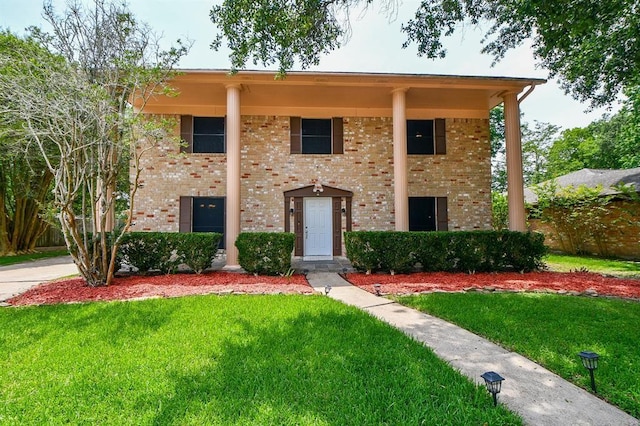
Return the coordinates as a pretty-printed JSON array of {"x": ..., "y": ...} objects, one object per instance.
[
  {"x": 327, "y": 289},
  {"x": 590, "y": 362},
  {"x": 494, "y": 383},
  {"x": 376, "y": 287}
]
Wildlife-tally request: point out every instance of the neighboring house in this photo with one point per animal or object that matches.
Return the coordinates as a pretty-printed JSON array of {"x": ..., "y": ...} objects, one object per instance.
[
  {"x": 318, "y": 154},
  {"x": 622, "y": 237}
]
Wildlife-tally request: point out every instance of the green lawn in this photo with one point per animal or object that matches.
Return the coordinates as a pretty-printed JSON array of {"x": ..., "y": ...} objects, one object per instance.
[
  {"x": 551, "y": 330},
  {"x": 21, "y": 258},
  {"x": 566, "y": 263},
  {"x": 264, "y": 360}
]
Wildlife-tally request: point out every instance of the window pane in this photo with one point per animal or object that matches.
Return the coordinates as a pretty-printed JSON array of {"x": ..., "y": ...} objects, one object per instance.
[
  {"x": 208, "y": 125},
  {"x": 316, "y": 136},
  {"x": 422, "y": 214},
  {"x": 316, "y": 144},
  {"x": 208, "y": 143},
  {"x": 420, "y": 137},
  {"x": 316, "y": 126},
  {"x": 208, "y": 134}
]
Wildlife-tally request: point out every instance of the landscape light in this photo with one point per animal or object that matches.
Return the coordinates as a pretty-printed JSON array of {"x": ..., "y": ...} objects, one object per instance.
[
  {"x": 377, "y": 287},
  {"x": 327, "y": 289},
  {"x": 590, "y": 362},
  {"x": 494, "y": 383}
]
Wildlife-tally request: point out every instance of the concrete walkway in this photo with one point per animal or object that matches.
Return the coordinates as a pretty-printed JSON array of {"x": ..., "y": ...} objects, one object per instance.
[
  {"x": 16, "y": 279},
  {"x": 539, "y": 396}
]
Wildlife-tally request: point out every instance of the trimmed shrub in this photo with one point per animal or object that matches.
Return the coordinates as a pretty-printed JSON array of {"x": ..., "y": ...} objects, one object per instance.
[
  {"x": 267, "y": 253},
  {"x": 197, "y": 250},
  {"x": 148, "y": 251},
  {"x": 165, "y": 251},
  {"x": 464, "y": 251}
]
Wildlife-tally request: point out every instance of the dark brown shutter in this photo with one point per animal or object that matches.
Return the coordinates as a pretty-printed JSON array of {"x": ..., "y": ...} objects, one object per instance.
[
  {"x": 337, "y": 226},
  {"x": 186, "y": 133},
  {"x": 338, "y": 137},
  {"x": 442, "y": 214},
  {"x": 298, "y": 226},
  {"x": 185, "y": 214},
  {"x": 441, "y": 136},
  {"x": 295, "y": 126},
  {"x": 225, "y": 134},
  {"x": 287, "y": 215}
]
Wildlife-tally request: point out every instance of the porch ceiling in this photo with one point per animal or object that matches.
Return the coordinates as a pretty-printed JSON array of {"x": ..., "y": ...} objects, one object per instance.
[{"x": 308, "y": 91}]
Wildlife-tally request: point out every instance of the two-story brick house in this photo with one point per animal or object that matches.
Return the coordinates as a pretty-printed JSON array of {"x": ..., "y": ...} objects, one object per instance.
[{"x": 318, "y": 154}]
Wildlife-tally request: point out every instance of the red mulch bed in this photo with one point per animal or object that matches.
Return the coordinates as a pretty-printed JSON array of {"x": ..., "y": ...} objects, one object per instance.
[
  {"x": 573, "y": 283},
  {"x": 138, "y": 287}
]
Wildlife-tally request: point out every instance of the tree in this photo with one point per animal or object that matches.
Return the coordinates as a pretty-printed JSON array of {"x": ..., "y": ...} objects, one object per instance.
[
  {"x": 24, "y": 178},
  {"x": 590, "y": 45},
  {"x": 535, "y": 149},
  {"x": 82, "y": 108}
]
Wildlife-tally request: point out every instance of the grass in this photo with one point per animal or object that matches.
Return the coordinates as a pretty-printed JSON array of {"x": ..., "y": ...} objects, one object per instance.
[
  {"x": 551, "y": 330},
  {"x": 21, "y": 258},
  {"x": 233, "y": 360},
  {"x": 566, "y": 263}
]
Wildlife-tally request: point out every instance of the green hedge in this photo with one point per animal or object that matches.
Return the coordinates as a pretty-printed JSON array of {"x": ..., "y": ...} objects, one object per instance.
[
  {"x": 165, "y": 251},
  {"x": 464, "y": 251},
  {"x": 266, "y": 253}
]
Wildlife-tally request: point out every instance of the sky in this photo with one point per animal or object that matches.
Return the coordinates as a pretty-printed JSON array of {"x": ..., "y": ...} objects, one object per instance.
[{"x": 375, "y": 45}]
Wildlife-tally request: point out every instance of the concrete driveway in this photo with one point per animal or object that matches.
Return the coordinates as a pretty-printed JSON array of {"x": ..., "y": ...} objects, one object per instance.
[{"x": 16, "y": 279}]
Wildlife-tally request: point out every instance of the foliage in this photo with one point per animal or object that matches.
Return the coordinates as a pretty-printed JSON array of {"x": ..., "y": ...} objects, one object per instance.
[
  {"x": 79, "y": 110},
  {"x": 588, "y": 45},
  {"x": 198, "y": 249},
  {"x": 583, "y": 215},
  {"x": 25, "y": 180},
  {"x": 266, "y": 253},
  {"x": 267, "y": 360},
  {"x": 165, "y": 251},
  {"x": 464, "y": 251},
  {"x": 551, "y": 330},
  {"x": 499, "y": 211}
]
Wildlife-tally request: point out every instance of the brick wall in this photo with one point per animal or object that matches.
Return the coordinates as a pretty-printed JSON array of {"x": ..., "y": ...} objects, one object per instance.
[
  {"x": 622, "y": 238},
  {"x": 365, "y": 168}
]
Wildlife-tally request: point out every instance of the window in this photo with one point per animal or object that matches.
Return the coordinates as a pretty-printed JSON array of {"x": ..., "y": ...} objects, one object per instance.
[
  {"x": 316, "y": 135},
  {"x": 203, "y": 214},
  {"x": 426, "y": 137},
  {"x": 202, "y": 134},
  {"x": 428, "y": 214}
]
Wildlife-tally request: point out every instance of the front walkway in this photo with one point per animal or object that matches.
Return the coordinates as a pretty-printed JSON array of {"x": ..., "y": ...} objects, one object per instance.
[{"x": 539, "y": 396}]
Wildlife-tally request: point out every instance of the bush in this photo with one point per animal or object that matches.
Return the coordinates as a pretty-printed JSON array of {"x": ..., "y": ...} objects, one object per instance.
[
  {"x": 197, "y": 250},
  {"x": 466, "y": 251},
  {"x": 266, "y": 253},
  {"x": 165, "y": 251}
]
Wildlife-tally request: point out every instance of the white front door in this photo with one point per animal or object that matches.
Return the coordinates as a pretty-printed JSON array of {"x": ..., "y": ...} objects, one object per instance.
[{"x": 317, "y": 227}]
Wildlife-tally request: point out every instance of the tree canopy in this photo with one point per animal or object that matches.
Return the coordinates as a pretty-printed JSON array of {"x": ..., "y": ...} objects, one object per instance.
[{"x": 593, "y": 47}]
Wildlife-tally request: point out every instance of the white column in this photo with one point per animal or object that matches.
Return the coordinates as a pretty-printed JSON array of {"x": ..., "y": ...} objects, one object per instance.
[
  {"x": 515, "y": 184},
  {"x": 233, "y": 174},
  {"x": 401, "y": 194}
]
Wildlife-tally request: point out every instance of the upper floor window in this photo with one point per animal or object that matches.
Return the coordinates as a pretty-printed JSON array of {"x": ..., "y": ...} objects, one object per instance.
[
  {"x": 426, "y": 137},
  {"x": 316, "y": 135},
  {"x": 202, "y": 134}
]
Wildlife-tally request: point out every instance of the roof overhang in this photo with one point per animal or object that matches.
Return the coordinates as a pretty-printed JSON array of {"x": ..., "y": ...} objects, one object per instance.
[{"x": 203, "y": 92}]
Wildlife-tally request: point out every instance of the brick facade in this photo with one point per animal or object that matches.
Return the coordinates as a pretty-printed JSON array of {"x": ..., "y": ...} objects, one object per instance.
[
  {"x": 622, "y": 238},
  {"x": 366, "y": 168}
]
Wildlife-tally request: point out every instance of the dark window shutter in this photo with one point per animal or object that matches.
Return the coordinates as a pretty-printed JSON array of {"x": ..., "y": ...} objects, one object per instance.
[
  {"x": 441, "y": 214},
  {"x": 337, "y": 225},
  {"x": 295, "y": 126},
  {"x": 441, "y": 136},
  {"x": 185, "y": 214},
  {"x": 186, "y": 133},
  {"x": 338, "y": 136},
  {"x": 298, "y": 225}
]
